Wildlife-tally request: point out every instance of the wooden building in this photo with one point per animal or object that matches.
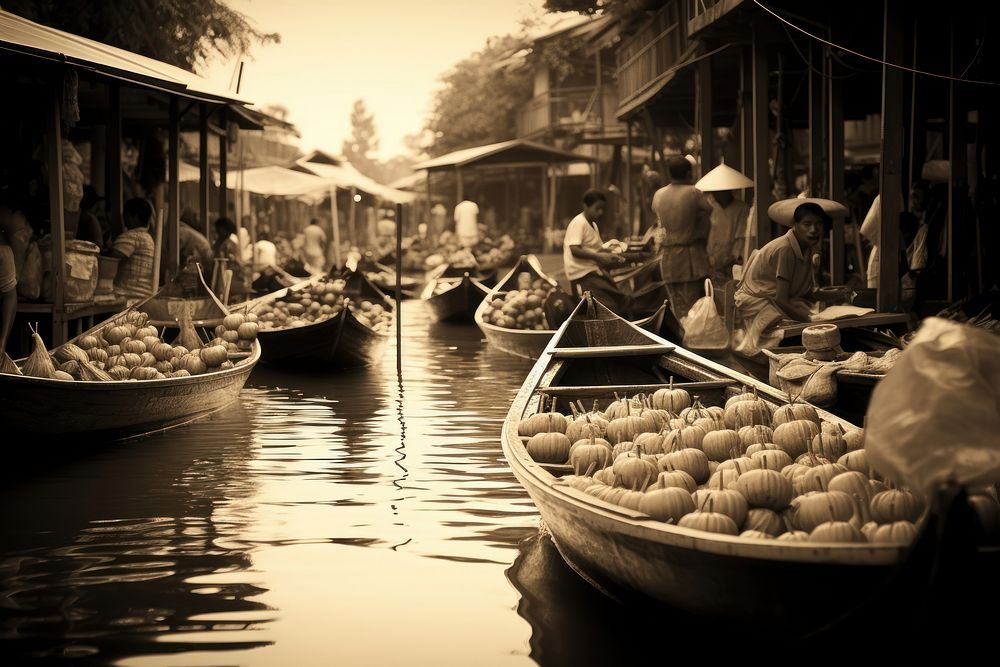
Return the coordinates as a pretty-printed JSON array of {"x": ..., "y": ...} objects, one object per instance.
[
  {"x": 123, "y": 113},
  {"x": 794, "y": 92}
]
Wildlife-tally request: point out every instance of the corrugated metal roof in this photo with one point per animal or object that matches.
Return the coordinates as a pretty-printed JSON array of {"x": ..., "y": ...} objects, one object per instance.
[
  {"x": 23, "y": 36},
  {"x": 513, "y": 151}
]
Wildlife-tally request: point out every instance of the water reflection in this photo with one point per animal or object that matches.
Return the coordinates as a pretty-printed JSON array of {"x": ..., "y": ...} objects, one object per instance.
[
  {"x": 105, "y": 553},
  {"x": 347, "y": 517}
]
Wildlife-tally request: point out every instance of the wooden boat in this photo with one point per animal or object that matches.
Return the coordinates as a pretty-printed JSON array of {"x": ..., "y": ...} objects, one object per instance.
[
  {"x": 453, "y": 294},
  {"x": 113, "y": 411},
  {"x": 636, "y": 559},
  {"x": 341, "y": 341},
  {"x": 530, "y": 343}
]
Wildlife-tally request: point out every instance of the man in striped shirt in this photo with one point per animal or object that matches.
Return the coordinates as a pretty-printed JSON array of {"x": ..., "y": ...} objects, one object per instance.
[{"x": 135, "y": 248}]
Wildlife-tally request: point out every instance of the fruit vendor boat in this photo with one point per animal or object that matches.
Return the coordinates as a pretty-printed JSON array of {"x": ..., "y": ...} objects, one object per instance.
[
  {"x": 340, "y": 341},
  {"x": 593, "y": 358},
  {"x": 453, "y": 294},
  {"x": 65, "y": 412},
  {"x": 529, "y": 343}
]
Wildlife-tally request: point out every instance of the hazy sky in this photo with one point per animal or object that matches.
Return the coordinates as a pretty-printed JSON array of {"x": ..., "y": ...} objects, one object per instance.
[{"x": 388, "y": 52}]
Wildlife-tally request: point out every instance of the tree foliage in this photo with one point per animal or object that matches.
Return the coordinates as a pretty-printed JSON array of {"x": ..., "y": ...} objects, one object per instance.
[
  {"x": 180, "y": 32},
  {"x": 359, "y": 149},
  {"x": 363, "y": 142},
  {"x": 480, "y": 99}
]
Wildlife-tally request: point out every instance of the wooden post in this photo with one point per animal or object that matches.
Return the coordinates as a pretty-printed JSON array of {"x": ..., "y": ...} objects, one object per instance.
[
  {"x": 174, "y": 192},
  {"x": 352, "y": 227},
  {"x": 335, "y": 217},
  {"x": 544, "y": 193},
  {"x": 431, "y": 231},
  {"x": 398, "y": 315},
  {"x": 761, "y": 136},
  {"x": 913, "y": 109},
  {"x": 633, "y": 222},
  {"x": 224, "y": 172},
  {"x": 114, "y": 201},
  {"x": 204, "y": 173},
  {"x": 835, "y": 145},
  {"x": 835, "y": 157},
  {"x": 704, "y": 120},
  {"x": 891, "y": 157},
  {"x": 53, "y": 164},
  {"x": 746, "y": 111},
  {"x": 956, "y": 161},
  {"x": 816, "y": 125}
]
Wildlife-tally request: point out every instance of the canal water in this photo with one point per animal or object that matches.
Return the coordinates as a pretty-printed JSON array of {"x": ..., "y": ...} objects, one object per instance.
[{"x": 347, "y": 518}]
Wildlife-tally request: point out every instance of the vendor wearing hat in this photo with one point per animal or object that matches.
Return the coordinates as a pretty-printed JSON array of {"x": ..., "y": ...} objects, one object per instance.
[
  {"x": 728, "y": 218},
  {"x": 778, "y": 282}
]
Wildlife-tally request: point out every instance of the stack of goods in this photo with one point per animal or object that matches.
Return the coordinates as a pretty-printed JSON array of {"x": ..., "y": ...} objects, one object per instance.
[
  {"x": 744, "y": 468},
  {"x": 429, "y": 253},
  {"x": 128, "y": 348},
  {"x": 318, "y": 302},
  {"x": 493, "y": 253},
  {"x": 519, "y": 309}
]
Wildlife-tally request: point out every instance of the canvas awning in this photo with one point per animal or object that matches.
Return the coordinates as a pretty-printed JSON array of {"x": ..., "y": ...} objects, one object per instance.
[
  {"x": 20, "y": 35},
  {"x": 274, "y": 181},
  {"x": 342, "y": 174},
  {"x": 514, "y": 152}
]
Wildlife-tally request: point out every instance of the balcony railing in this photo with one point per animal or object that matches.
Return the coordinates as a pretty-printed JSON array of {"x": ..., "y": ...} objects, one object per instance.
[
  {"x": 653, "y": 50},
  {"x": 701, "y": 13},
  {"x": 588, "y": 110}
]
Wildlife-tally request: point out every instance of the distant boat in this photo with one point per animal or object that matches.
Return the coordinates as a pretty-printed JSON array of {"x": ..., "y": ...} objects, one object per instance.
[
  {"x": 341, "y": 341},
  {"x": 453, "y": 294},
  {"x": 529, "y": 343}
]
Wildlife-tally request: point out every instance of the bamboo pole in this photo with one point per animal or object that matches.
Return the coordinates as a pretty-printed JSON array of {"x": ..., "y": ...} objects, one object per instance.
[
  {"x": 399, "y": 291},
  {"x": 334, "y": 216}
]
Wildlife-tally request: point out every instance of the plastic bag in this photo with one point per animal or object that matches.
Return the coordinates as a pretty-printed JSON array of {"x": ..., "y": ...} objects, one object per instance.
[
  {"x": 703, "y": 328},
  {"x": 936, "y": 415}
]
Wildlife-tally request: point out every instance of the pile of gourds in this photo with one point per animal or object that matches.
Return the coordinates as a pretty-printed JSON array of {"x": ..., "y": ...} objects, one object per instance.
[
  {"x": 739, "y": 469},
  {"x": 318, "y": 302},
  {"x": 129, "y": 348},
  {"x": 519, "y": 309}
]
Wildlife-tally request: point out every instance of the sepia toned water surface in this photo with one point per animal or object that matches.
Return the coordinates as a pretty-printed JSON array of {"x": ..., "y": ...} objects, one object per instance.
[{"x": 325, "y": 519}]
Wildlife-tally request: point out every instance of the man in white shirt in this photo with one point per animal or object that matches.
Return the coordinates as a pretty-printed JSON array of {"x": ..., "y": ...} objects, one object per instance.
[
  {"x": 586, "y": 259},
  {"x": 467, "y": 223}
]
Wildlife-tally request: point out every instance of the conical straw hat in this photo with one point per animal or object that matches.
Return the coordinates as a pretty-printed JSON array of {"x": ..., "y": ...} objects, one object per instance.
[
  {"x": 723, "y": 177},
  {"x": 783, "y": 212}
]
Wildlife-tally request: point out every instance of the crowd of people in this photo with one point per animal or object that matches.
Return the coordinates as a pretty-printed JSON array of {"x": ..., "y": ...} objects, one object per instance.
[{"x": 702, "y": 231}]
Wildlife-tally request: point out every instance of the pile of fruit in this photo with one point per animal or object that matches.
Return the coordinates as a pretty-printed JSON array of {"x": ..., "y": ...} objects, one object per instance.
[
  {"x": 321, "y": 301},
  {"x": 744, "y": 468},
  {"x": 128, "y": 348},
  {"x": 519, "y": 309},
  {"x": 488, "y": 253}
]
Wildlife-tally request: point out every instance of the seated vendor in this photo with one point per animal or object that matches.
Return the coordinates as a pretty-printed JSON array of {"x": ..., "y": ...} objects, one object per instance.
[
  {"x": 135, "y": 248},
  {"x": 778, "y": 282},
  {"x": 586, "y": 259}
]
